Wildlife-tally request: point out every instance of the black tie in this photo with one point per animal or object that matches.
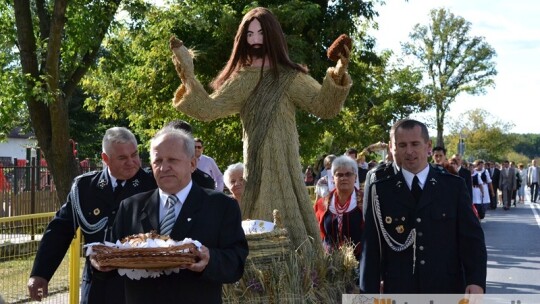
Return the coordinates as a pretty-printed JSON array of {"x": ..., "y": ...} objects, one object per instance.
[
  {"x": 118, "y": 188},
  {"x": 415, "y": 189}
]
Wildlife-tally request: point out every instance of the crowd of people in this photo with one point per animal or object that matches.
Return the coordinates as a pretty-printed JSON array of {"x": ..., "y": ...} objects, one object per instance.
[{"x": 412, "y": 224}]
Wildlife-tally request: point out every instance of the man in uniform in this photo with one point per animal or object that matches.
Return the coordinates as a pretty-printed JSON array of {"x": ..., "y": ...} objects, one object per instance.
[
  {"x": 420, "y": 233},
  {"x": 92, "y": 205}
]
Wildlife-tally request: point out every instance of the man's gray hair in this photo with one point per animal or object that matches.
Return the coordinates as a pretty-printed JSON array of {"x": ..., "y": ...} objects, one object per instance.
[
  {"x": 230, "y": 170},
  {"x": 187, "y": 140},
  {"x": 344, "y": 161},
  {"x": 117, "y": 135}
]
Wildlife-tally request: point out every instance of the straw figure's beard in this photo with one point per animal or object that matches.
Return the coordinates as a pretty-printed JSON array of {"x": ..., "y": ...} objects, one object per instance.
[{"x": 256, "y": 50}]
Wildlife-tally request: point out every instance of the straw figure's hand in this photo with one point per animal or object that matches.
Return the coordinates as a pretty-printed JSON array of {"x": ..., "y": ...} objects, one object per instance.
[
  {"x": 182, "y": 59},
  {"x": 340, "y": 51}
]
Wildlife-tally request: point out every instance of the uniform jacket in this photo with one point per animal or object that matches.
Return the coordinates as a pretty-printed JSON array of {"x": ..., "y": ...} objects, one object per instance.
[
  {"x": 97, "y": 204},
  {"x": 202, "y": 179},
  {"x": 450, "y": 247},
  {"x": 207, "y": 216}
]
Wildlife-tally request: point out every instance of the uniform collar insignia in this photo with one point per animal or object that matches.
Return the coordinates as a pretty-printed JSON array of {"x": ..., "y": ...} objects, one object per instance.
[
  {"x": 102, "y": 183},
  {"x": 433, "y": 181},
  {"x": 399, "y": 184},
  {"x": 135, "y": 183}
]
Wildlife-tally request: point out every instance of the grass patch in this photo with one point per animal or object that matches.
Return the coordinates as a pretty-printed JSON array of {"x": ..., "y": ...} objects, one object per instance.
[{"x": 14, "y": 275}]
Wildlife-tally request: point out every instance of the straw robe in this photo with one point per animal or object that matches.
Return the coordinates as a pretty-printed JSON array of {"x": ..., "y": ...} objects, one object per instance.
[{"x": 270, "y": 138}]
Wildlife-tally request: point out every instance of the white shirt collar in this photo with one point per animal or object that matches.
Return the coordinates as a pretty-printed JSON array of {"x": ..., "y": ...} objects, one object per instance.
[
  {"x": 422, "y": 176},
  {"x": 181, "y": 195},
  {"x": 113, "y": 179}
]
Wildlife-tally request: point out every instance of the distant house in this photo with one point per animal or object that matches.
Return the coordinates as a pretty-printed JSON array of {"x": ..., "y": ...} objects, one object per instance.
[{"x": 15, "y": 146}]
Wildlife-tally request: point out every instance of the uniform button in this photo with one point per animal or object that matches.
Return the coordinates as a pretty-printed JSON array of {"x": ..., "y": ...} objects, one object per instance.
[
  {"x": 422, "y": 262},
  {"x": 418, "y": 220},
  {"x": 420, "y": 234},
  {"x": 114, "y": 212},
  {"x": 444, "y": 215},
  {"x": 421, "y": 247}
]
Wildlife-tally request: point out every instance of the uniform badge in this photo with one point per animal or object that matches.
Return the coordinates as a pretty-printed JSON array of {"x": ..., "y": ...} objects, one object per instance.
[
  {"x": 135, "y": 183},
  {"x": 102, "y": 183},
  {"x": 97, "y": 211},
  {"x": 403, "y": 218},
  {"x": 433, "y": 181},
  {"x": 388, "y": 220},
  {"x": 400, "y": 229}
]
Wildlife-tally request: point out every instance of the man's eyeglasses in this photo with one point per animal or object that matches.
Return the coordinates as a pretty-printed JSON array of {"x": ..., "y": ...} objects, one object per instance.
[{"x": 348, "y": 174}]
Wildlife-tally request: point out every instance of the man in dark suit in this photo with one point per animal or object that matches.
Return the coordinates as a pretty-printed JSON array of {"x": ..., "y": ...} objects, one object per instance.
[
  {"x": 495, "y": 174},
  {"x": 420, "y": 232},
  {"x": 207, "y": 216},
  {"x": 464, "y": 173},
  {"x": 92, "y": 205}
]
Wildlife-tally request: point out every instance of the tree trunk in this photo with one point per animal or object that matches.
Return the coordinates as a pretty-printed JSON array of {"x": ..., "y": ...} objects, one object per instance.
[{"x": 46, "y": 105}]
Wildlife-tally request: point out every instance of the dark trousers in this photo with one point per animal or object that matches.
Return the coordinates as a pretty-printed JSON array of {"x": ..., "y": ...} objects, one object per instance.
[
  {"x": 481, "y": 209},
  {"x": 494, "y": 198},
  {"x": 534, "y": 192},
  {"x": 506, "y": 197}
]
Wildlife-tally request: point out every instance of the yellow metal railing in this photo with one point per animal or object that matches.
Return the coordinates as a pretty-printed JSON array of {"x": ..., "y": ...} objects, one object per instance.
[{"x": 19, "y": 240}]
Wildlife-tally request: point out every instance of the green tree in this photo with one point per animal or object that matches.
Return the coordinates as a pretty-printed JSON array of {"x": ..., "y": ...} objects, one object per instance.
[
  {"x": 486, "y": 137},
  {"x": 454, "y": 61},
  {"x": 50, "y": 46}
]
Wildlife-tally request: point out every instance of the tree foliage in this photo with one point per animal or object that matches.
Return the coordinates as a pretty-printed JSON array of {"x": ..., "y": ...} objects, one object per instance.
[
  {"x": 453, "y": 60},
  {"x": 49, "y": 47},
  {"x": 485, "y": 136}
]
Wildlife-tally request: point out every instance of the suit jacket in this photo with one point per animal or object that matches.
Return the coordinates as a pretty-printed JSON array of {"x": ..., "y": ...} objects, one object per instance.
[
  {"x": 207, "y": 216},
  {"x": 530, "y": 175},
  {"x": 495, "y": 177},
  {"x": 96, "y": 204},
  {"x": 508, "y": 182},
  {"x": 450, "y": 247},
  {"x": 466, "y": 175}
]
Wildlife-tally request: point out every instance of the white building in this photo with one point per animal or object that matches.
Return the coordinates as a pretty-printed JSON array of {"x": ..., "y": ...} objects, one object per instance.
[{"x": 15, "y": 146}]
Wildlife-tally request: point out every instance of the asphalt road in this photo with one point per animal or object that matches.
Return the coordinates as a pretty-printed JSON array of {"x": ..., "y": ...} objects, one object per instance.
[{"x": 513, "y": 245}]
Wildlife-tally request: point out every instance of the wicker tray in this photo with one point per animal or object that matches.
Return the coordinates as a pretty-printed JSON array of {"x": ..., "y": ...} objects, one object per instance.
[{"x": 145, "y": 258}]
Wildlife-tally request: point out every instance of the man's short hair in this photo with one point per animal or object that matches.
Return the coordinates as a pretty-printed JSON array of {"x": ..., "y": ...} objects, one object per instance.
[
  {"x": 439, "y": 148},
  {"x": 117, "y": 135},
  {"x": 408, "y": 124},
  {"x": 187, "y": 141},
  {"x": 352, "y": 151},
  {"x": 180, "y": 125}
]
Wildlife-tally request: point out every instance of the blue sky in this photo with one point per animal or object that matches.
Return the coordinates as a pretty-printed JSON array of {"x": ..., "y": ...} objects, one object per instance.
[{"x": 512, "y": 28}]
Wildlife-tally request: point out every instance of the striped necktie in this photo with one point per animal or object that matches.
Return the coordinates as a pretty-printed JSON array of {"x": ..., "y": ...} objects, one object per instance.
[{"x": 167, "y": 222}]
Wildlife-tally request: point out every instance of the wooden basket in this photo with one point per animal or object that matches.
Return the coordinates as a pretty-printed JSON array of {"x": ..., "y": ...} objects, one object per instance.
[{"x": 145, "y": 258}]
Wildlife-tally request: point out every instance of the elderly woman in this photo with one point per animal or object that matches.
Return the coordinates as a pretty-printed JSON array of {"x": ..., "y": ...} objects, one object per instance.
[
  {"x": 339, "y": 214},
  {"x": 234, "y": 180}
]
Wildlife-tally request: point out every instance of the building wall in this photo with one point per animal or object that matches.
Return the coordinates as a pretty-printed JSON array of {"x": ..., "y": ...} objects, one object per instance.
[{"x": 16, "y": 147}]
